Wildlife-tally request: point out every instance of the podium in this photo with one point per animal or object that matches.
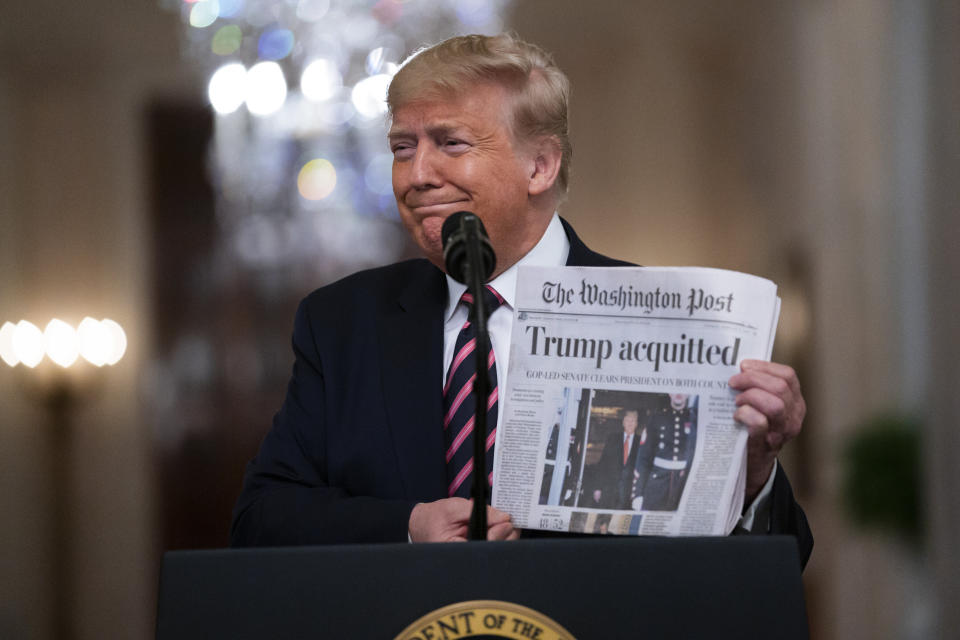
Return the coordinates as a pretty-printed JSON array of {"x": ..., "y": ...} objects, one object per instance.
[{"x": 603, "y": 587}]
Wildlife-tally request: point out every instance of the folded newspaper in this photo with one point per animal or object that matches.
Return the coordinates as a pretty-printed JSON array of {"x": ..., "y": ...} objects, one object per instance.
[{"x": 617, "y": 414}]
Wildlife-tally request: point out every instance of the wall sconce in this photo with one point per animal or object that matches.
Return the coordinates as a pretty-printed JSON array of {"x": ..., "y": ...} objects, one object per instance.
[{"x": 101, "y": 343}]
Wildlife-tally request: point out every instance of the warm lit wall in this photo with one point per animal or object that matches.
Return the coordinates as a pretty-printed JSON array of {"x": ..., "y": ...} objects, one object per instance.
[
  {"x": 758, "y": 137},
  {"x": 74, "y": 80}
]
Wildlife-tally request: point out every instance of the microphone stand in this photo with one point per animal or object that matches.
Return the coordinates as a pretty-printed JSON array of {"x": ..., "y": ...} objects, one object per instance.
[{"x": 481, "y": 386}]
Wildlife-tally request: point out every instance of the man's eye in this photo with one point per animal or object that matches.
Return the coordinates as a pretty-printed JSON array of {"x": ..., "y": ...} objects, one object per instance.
[
  {"x": 402, "y": 151},
  {"x": 455, "y": 144}
]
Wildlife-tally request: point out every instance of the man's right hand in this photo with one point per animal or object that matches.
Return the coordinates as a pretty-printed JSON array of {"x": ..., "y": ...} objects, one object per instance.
[{"x": 447, "y": 520}]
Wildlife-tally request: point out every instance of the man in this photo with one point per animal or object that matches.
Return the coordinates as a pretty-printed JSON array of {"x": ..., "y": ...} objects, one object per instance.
[
  {"x": 614, "y": 470},
  {"x": 357, "y": 452},
  {"x": 664, "y": 457}
]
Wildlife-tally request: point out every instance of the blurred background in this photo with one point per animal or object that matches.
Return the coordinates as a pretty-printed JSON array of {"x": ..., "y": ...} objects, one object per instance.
[{"x": 816, "y": 143}]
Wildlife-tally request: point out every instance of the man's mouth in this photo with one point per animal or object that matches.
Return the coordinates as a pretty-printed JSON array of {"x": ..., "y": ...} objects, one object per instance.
[{"x": 437, "y": 208}]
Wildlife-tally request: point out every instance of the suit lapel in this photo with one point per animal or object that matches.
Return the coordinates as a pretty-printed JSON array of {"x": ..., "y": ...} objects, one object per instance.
[
  {"x": 581, "y": 256},
  {"x": 411, "y": 347}
]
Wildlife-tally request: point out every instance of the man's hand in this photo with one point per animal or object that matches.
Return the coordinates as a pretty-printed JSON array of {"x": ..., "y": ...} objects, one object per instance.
[
  {"x": 771, "y": 406},
  {"x": 447, "y": 520}
]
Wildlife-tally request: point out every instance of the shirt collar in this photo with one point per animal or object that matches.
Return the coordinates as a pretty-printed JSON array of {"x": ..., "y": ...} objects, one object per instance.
[{"x": 551, "y": 251}]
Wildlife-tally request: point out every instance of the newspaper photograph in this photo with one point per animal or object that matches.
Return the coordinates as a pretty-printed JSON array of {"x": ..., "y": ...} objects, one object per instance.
[{"x": 617, "y": 414}]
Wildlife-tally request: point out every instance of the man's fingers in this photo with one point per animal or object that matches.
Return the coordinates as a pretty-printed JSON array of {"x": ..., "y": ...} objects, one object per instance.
[
  {"x": 769, "y": 404},
  {"x": 773, "y": 390},
  {"x": 495, "y": 516},
  {"x": 772, "y": 407},
  {"x": 457, "y": 508},
  {"x": 501, "y": 531},
  {"x": 769, "y": 375},
  {"x": 773, "y": 368},
  {"x": 500, "y": 525},
  {"x": 760, "y": 380},
  {"x": 755, "y": 421},
  {"x": 438, "y": 521}
]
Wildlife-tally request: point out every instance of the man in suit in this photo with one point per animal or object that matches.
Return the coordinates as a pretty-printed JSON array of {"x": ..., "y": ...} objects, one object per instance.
[
  {"x": 357, "y": 453},
  {"x": 614, "y": 470}
]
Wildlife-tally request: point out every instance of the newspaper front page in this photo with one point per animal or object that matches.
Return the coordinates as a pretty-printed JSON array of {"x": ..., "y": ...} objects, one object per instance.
[{"x": 617, "y": 416}]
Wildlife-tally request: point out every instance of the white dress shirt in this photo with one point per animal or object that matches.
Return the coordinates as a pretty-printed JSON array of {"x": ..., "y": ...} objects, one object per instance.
[{"x": 551, "y": 251}]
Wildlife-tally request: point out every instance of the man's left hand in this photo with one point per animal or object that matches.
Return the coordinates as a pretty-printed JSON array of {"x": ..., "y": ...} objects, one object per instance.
[{"x": 772, "y": 408}]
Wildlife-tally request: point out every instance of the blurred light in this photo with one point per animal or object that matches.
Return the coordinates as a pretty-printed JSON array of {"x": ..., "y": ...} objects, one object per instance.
[
  {"x": 266, "y": 88},
  {"x": 28, "y": 343},
  {"x": 230, "y": 8},
  {"x": 227, "y": 40},
  {"x": 117, "y": 343},
  {"x": 7, "y": 353},
  {"x": 62, "y": 345},
  {"x": 378, "y": 175},
  {"x": 388, "y": 11},
  {"x": 388, "y": 206},
  {"x": 475, "y": 13},
  {"x": 359, "y": 29},
  {"x": 325, "y": 47},
  {"x": 312, "y": 10},
  {"x": 320, "y": 80},
  {"x": 375, "y": 60},
  {"x": 264, "y": 12},
  {"x": 317, "y": 179},
  {"x": 369, "y": 96},
  {"x": 336, "y": 113},
  {"x": 204, "y": 13},
  {"x": 94, "y": 341},
  {"x": 227, "y": 88},
  {"x": 275, "y": 44}
]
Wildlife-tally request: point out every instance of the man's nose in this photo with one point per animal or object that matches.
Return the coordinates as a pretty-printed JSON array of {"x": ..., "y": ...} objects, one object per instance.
[{"x": 424, "y": 172}]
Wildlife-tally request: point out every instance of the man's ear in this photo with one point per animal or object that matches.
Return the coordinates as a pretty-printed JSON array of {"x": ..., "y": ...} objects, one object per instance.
[{"x": 545, "y": 166}]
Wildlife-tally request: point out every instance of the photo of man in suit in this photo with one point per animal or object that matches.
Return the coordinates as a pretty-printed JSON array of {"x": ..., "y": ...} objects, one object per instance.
[
  {"x": 360, "y": 450},
  {"x": 614, "y": 471}
]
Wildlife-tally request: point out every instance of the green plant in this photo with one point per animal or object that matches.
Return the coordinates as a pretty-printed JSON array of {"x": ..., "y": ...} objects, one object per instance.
[{"x": 882, "y": 476}]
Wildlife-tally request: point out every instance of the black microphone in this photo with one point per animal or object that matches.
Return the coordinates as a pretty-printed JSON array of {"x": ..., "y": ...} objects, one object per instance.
[
  {"x": 459, "y": 231},
  {"x": 468, "y": 256}
]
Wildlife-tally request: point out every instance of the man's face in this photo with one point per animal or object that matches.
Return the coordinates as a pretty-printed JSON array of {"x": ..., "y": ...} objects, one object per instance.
[
  {"x": 678, "y": 400},
  {"x": 457, "y": 153},
  {"x": 630, "y": 422}
]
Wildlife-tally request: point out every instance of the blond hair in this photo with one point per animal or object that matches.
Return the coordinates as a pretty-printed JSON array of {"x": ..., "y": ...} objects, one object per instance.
[{"x": 539, "y": 90}]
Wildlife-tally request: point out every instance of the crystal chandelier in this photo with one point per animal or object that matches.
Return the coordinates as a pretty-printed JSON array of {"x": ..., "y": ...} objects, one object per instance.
[{"x": 299, "y": 160}]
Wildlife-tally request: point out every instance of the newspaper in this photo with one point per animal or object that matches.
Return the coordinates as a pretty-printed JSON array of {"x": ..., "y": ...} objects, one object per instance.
[{"x": 617, "y": 414}]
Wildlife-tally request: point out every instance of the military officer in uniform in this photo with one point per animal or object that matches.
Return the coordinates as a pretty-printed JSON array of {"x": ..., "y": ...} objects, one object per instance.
[{"x": 665, "y": 453}]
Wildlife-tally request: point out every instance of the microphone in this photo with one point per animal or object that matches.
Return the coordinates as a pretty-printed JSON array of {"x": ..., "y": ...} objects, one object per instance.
[
  {"x": 459, "y": 233},
  {"x": 468, "y": 256}
]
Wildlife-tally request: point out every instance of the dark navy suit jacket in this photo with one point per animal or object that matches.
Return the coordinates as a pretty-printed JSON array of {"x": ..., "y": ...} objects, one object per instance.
[{"x": 357, "y": 441}]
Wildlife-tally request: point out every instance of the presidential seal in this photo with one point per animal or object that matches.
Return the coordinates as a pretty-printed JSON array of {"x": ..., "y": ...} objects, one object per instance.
[{"x": 485, "y": 619}]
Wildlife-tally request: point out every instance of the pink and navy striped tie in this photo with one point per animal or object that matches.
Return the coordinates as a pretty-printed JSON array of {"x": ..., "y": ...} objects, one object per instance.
[{"x": 459, "y": 404}]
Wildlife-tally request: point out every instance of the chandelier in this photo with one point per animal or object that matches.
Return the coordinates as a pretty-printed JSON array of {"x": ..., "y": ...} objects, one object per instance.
[{"x": 299, "y": 160}]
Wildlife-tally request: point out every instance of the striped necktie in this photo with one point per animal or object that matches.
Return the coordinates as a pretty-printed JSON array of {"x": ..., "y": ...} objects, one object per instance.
[{"x": 459, "y": 403}]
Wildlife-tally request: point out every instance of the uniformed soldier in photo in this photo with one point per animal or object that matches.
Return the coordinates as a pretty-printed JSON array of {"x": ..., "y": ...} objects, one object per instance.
[{"x": 664, "y": 456}]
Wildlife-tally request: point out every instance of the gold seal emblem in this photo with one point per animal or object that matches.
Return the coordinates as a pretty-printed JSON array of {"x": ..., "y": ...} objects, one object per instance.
[{"x": 485, "y": 619}]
